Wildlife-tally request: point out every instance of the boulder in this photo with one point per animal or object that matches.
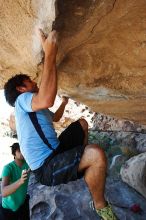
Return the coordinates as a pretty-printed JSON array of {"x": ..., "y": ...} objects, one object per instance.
[
  {"x": 133, "y": 172},
  {"x": 71, "y": 201}
]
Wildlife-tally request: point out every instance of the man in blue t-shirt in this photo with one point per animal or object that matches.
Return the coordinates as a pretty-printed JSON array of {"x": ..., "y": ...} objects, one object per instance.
[{"x": 55, "y": 160}]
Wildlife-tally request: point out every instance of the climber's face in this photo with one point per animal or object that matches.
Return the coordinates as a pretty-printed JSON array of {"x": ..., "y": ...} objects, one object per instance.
[{"x": 28, "y": 86}]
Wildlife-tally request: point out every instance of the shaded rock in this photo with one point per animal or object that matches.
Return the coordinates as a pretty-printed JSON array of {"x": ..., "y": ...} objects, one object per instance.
[
  {"x": 131, "y": 143},
  {"x": 115, "y": 165},
  {"x": 133, "y": 172},
  {"x": 141, "y": 142},
  {"x": 71, "y": 201},
  {"x": 97, "y": 59}
]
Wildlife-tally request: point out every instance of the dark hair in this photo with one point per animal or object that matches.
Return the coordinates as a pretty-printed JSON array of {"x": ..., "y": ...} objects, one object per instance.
[
  {"x": 14, "y": 148},
  {"x": 10, "y": 91}
]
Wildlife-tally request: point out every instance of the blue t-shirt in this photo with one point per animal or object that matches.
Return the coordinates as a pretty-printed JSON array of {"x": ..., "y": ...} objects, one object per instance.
[{"x": 32, "y": 146}]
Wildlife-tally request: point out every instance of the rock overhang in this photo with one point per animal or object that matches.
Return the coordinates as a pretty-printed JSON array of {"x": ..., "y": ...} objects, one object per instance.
[{"x": 101, "y": 57}]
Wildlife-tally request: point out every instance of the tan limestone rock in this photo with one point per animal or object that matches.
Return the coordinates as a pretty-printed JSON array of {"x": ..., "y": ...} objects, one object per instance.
[{"x": 102, "y": 52}]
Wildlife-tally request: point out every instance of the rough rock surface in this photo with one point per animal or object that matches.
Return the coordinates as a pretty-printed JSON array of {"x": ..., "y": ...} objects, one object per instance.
[
  {"x": 133, "y": 172},
  {"x": 71, "y": 201},
  {"x": 19, "y": 43},
  {"x": 102, "y": 50}
]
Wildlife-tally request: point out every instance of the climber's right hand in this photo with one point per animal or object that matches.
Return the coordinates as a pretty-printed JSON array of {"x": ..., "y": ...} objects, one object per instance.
[{"x": 49, "y": 44}]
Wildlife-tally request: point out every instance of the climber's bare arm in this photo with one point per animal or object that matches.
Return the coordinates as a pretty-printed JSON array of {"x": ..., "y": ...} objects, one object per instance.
[
  {"x": 58, "y": 114},
  {"x": 48, "y": 86}
]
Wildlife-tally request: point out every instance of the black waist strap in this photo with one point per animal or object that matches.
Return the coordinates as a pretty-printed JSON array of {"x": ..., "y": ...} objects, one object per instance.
[{"x": 34, "y": 120}]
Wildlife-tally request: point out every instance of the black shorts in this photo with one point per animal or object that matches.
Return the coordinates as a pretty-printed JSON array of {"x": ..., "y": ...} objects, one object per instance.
[
  {"x": 62, "y": 165},
  {"x": 71, "y": 137}
]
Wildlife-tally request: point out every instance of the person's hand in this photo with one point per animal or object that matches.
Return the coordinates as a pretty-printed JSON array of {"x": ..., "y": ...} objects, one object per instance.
[
  {"x": 24, "y": 176},
  {"x": 50, "y": 43},
  {"x": 65, "y": 100}
]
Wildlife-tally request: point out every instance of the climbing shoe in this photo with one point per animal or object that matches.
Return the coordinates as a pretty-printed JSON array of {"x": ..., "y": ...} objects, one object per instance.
[{"x": 105, "y": 213}]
